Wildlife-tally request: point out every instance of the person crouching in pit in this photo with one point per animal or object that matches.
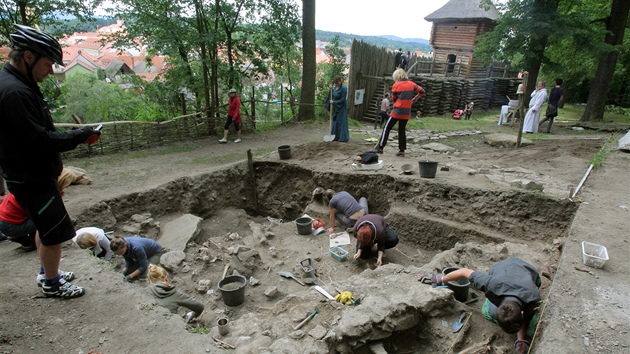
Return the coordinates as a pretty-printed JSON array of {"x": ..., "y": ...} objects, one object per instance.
[
  {"x": 138, "y": 252},
  {"x": 372, "y": 230}
]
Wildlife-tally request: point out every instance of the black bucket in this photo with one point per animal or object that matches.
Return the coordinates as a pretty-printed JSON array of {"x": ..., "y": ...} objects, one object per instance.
[
  {"x": 233, "y": 289},
  {"x": 304, "y": 226},
  {"x": 284, "y": 151},
  {"x": 428, "y": 169},
  {"x": 459, "y": 287}
]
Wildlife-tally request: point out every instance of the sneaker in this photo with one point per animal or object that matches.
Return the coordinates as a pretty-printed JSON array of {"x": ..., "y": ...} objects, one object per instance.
[
  {"x": 63, "y": 289},
  {"x": 400, "y": 153},
  {"x": 67, "y": 276},
  {"x": 237, "y": 140},
  {"x": 223, "y": 141},
  {"x": 28, "y": 248},
  {"x": 377, "y": 150}
]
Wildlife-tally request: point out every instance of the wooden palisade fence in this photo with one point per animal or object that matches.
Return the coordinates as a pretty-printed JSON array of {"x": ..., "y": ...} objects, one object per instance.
[{"x": 371, "y": 69}]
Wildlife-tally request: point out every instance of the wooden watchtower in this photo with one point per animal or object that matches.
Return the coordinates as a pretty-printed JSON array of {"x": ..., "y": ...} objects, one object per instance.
[{"x": 456, "y": 26}]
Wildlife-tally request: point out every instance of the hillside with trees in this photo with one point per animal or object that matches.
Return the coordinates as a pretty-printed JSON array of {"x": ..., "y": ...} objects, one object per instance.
[{"x": 385, "y": 41}]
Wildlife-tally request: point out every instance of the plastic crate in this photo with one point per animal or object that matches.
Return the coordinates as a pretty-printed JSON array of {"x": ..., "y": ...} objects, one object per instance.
[
  {"x": 594, "y": 255},
  {"x": 338, "y": 253}
]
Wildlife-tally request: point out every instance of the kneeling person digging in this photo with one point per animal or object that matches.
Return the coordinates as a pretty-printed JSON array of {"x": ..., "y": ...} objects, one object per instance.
[
  {"x": 512, "y": 296},
  {"x": 372, "y": 230}
]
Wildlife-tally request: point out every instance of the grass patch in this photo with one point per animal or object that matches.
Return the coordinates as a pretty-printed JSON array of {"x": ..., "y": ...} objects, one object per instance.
[
  {"x": 598, "y": 159},
  {"x": 199, "y": 329}
]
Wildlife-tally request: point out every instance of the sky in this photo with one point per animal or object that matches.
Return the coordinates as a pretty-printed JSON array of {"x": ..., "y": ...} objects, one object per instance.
[
  {"x": 404, "y": 19},
  {"x": 375, "y": 18}
]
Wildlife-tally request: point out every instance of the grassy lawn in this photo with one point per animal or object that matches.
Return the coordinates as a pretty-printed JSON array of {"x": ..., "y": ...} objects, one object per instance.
[{"x": 568, "y": 116}]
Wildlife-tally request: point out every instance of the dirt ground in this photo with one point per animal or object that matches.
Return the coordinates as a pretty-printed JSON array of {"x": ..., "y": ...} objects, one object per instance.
[{"x": 471, "y": 215}]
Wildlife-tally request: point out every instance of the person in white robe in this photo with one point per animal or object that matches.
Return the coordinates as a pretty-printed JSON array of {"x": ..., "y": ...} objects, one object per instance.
[{"x": 532, "y": 117}]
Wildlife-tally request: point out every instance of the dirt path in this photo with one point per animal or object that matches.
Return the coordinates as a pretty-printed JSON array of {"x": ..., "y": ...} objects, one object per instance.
[{"x": 122, "y": 318}]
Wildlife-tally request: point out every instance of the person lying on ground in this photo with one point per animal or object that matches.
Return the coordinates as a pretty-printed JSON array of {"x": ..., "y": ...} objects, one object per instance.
[
  {"x": 94, "y": 239},
  {"x": 170, "y": 297},
  {"x": 344, "y": 207},
  {"x": 372, "y": 230},
  {"x": 512, "y": 296},
  {"x": 138, "y": 252}
]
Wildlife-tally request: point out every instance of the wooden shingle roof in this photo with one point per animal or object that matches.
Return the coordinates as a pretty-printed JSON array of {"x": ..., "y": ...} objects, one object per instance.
[{"x": 463, "y": 10}]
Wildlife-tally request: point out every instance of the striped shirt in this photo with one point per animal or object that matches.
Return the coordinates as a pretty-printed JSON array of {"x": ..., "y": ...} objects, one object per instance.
[{"x": 403, "y": 93}]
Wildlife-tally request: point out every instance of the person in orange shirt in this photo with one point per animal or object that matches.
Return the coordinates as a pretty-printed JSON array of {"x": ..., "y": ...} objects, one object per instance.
[{"x": 404, "y": 93}]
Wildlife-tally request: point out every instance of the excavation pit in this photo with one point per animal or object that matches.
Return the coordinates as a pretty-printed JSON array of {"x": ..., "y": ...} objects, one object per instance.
[{"x": 440, "y": 225}]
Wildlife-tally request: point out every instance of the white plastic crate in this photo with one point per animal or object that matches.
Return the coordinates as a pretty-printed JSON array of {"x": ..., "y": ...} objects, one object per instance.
[{"x": 594, "y": 255}]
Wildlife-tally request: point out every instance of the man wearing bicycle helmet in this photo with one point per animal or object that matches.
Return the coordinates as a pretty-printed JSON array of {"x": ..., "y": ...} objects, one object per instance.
[{"x": 30, "y": 150}]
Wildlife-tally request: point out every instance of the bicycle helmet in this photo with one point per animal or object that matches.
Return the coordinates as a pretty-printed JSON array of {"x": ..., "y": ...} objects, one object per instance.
[
  {"x": 232, "y": 90},
  {"x": 41, "y": 43}
]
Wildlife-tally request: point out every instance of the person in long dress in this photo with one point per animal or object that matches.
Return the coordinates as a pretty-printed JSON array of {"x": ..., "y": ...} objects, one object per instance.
[
  {"x": 339, "y": 105},
  {"x": 532, "y": 118}
]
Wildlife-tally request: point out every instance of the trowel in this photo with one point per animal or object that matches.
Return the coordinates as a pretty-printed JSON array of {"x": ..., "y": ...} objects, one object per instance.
[
  {"x": 457, "y": 325},
  {"x": 290, "y": 275}
]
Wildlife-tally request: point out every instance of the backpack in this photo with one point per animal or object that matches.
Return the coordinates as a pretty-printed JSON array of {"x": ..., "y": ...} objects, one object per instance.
[{"x": 368, "y": 157}]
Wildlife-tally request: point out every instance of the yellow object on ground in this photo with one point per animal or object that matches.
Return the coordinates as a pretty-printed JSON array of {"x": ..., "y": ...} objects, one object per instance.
[{"x": 344, "y": 297}]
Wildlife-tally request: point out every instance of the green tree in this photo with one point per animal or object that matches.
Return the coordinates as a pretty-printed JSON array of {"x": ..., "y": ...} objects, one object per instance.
[
  {"x": 215, "y": 43},
  {"x": 94, "y": 100},
  {"x": 521, "y": 36},
  {"x": 615, "y": 27},
  {"x": 55, "y": 16}
]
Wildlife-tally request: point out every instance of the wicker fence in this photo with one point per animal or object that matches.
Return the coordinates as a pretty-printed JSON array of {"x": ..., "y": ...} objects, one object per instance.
[{"x": 135, "y": 135}]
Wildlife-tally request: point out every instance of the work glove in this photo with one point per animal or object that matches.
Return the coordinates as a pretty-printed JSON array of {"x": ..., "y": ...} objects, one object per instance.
[
  {"x": 344, "y": 297},
  {"x": 129, "y": 279},
  {"x": 430, "y": 279},
  {"x": 521, "y": 346},
  {"x": 91, "y": 134}
]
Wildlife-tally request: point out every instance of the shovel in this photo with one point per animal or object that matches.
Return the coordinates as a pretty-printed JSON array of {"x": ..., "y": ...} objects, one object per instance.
[
  {"x": 330, "y": 137},
  {"x": 290, "y": 275},
  {"x": 457, "y": 325}
]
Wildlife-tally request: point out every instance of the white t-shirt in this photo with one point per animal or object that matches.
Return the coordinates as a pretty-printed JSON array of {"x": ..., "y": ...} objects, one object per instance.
[
  {"x": 384, "y": 105},
  {"x": 102, "y": 242}
]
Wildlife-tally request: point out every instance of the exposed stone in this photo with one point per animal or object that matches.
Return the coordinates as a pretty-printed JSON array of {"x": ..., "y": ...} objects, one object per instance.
[
  {"x": 131, "y": 229},
  {"x": 377, "y": 348},
  {"x": 171, "y": 260},
  {"x": 271, "y": 292},
  {"x": 297, "y": 334},
  {"x": 533, "y": 186},
  {"x": 250, "y": 259},
  {"x": 177, "y": 233},
  {"x": 505, "y": 140},
  {"x": 437, "y": 147},
  {"x": 140, "y": 218},
  {"x": 318, "y": 332}
]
